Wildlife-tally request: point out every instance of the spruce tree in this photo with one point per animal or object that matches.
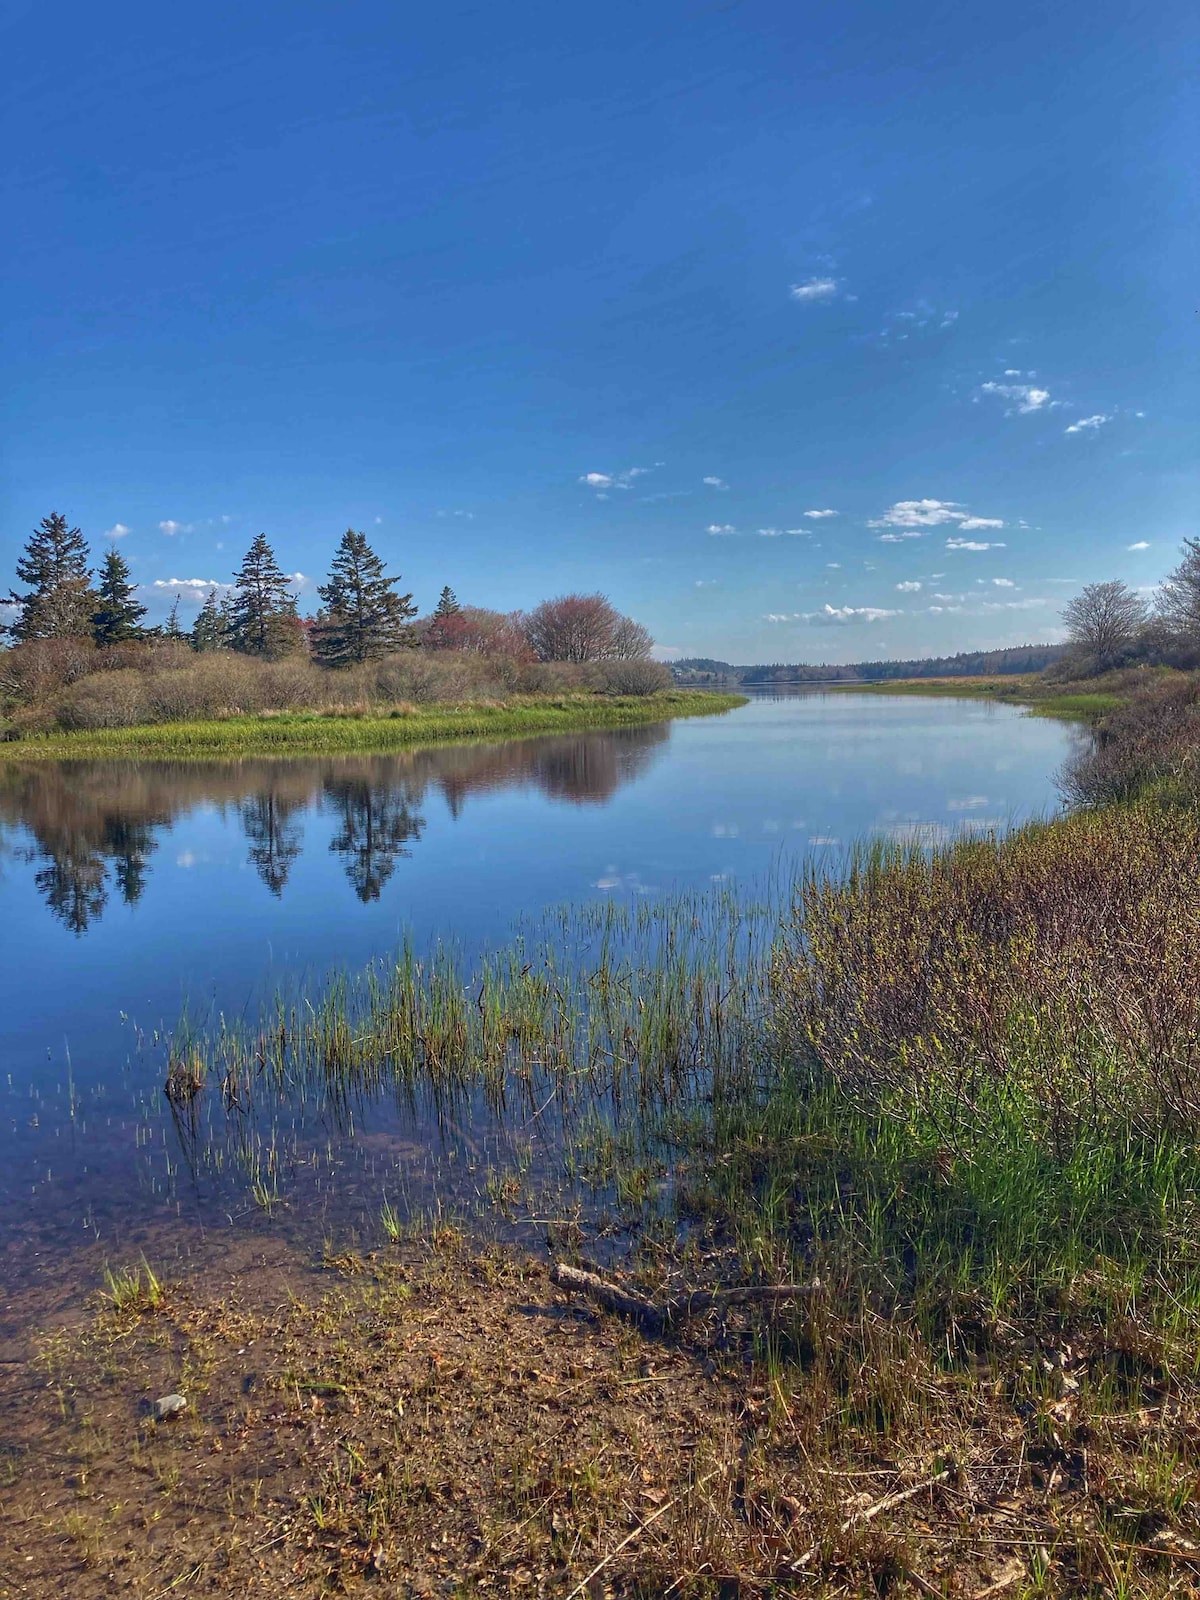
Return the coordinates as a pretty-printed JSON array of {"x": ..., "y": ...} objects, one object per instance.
[
  {"x": 363, "y": 618},
  {"x": 263, "y": 610},
  {"x": 208, "y": 632},
  {"x": 118, "y": 617},
  {"x": 447, "y": 605},
  {"x": 60, "y": 599},
  {"x": 172, "y": 629}
]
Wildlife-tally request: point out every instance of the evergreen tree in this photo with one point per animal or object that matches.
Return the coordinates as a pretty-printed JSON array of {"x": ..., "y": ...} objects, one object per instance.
[
  {"x": 208, "y": 633},
  {"x": 363, "y": 617},
  {"x": 60, "y": 600},
  {"x": 172, "y": 630},
  {"x": 262, "y": 614},
  {"x": 447, "y": 605},
  {"x": 118, "y": 617}
]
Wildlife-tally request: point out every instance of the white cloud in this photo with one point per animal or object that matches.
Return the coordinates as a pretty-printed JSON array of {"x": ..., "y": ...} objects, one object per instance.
[
  {"x": 819, "y": 516},
  {"x": 1089, "y": 424},
  {"x": 899, "y": 538},
  {"x": 614, "y": 480},
  {"x": 909, "y": 587},
  {"x": 848, "y": 614},
  {"x": 814, "y": 289},
  {"x": 707, "y": 583},
  {"x": 919, "y": 514},
  {"x": 767, "y": 533},
  {"x": 170, "y": 527},
  {"x": 974, "y": 544},
  {"x": 117, "y": 531},
  {"x": 1032, "y": 604},
  {"x": 1142, "y": 544},
  {"x": 835, "y": 566},
  {"x": 1003, "y": 583},
  {"x": 1024, "y": 396},
  {"x": 193, "y": 589},
  {"x": 799, "y": 533},
  {"x": 720, "y": 527},
  {"x": 715, "y": 483},
  {"x": 970, "y": 524}
]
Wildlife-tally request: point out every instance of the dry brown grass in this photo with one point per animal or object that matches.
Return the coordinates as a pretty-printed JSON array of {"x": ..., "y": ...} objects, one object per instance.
[{"x": 441, "y": 1422}]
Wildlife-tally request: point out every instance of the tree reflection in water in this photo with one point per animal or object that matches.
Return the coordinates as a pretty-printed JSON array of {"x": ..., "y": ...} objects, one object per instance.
[{"x": 90, "y": 828}]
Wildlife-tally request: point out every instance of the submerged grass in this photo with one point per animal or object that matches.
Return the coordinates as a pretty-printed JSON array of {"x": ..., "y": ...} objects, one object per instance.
[
  {"x": 321, "y": 733},
  {"x": 977, "y": 1065}
]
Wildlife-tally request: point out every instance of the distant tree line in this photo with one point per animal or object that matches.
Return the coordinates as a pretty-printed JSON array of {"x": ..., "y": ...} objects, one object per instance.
[
  {"x": 363, "y": 616},
  {"x": 967, "y": 664}
]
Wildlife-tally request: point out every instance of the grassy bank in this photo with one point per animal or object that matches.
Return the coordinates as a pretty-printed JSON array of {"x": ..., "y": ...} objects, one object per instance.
[
  {"x": 1085, "y": 701},
  {"x": 314, "y": 733}
]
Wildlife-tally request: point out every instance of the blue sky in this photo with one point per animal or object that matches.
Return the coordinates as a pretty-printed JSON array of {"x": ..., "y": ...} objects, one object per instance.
[{"x": 755, "y": 316}]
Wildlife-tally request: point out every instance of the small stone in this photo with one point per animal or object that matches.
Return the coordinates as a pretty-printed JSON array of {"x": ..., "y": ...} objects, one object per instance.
[{"x": 169, "y": 1406}]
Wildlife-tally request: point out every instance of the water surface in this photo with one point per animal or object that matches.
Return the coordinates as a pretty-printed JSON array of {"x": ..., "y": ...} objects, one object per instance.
[{"x": 129, "y": 891}]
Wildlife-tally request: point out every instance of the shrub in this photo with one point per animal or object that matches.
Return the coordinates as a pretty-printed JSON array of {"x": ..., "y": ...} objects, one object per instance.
[
  {"x": 1153, "y": 738},
  {"x": 1052, "y": 976}
]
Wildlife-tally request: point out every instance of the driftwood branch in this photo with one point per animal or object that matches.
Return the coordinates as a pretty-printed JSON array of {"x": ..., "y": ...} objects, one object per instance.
[{"x": 654, "y": 1316}]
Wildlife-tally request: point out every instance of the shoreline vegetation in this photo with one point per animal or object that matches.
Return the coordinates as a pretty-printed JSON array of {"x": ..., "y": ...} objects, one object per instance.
[
  {"x": 1077, "y": 700},
  {"x": 369, "y": 731}
]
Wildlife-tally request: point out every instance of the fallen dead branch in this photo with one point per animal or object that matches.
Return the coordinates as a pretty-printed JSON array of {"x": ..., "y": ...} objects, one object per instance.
[{"x": 653, "y": 1315}]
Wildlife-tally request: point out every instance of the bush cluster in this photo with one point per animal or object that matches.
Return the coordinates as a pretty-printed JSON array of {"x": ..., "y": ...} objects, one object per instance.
[{"x": 68, "y": 684}]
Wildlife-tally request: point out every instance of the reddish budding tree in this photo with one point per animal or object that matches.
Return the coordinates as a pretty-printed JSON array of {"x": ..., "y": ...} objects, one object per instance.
[
  {"x": 480, "y": 632},
  {"x": 584, "y": 627}
]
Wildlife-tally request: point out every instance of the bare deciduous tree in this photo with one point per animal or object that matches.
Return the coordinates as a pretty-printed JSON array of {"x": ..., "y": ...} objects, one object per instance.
[
  {"x": 1104, "y": 621},
  {"x": 1179, "y": 598},
  {"x": 584, "y": 627}
]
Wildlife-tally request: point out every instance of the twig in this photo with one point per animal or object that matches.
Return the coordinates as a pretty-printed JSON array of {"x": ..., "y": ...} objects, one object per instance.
[
  {"x": 654, "y": 1316},
  {"x": 890, "y": 1500},
  {"x": 633, "y": 1534}
]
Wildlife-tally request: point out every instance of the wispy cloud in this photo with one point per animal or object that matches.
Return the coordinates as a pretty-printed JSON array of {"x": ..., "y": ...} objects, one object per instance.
[
  {"x": 841, "y": 615},
  {"x": 909, "y": 587},
  {"x": 975, "y": 544},
  {"x": 1142, "y": 544},
  {"x": 770, "y": 533},
  {"x": 814, "y": 289},
  {"x": 1022, "y": 397},
  {"x": 117, "y": 531},
  {"x": 170, "y": 527},
  {"x": 717, "y": 528},
  {"x": 1089, "y": 424},
  {"x": 1003, "y": 583},
  {"x": 819, "y": 516},
  {"x": 715, "y": 483},
  {"x": 923, "y": 318},
  {"x": 604, "y": 481}
]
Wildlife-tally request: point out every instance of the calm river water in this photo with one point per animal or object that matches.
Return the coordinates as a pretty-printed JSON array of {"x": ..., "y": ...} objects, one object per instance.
[{"x": 129, "y": 891}]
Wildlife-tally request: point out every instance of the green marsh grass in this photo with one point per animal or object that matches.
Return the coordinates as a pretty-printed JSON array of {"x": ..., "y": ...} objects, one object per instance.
[
  {"x": 966, "y": 1071},
  {"x": 376, "y": 731}
]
